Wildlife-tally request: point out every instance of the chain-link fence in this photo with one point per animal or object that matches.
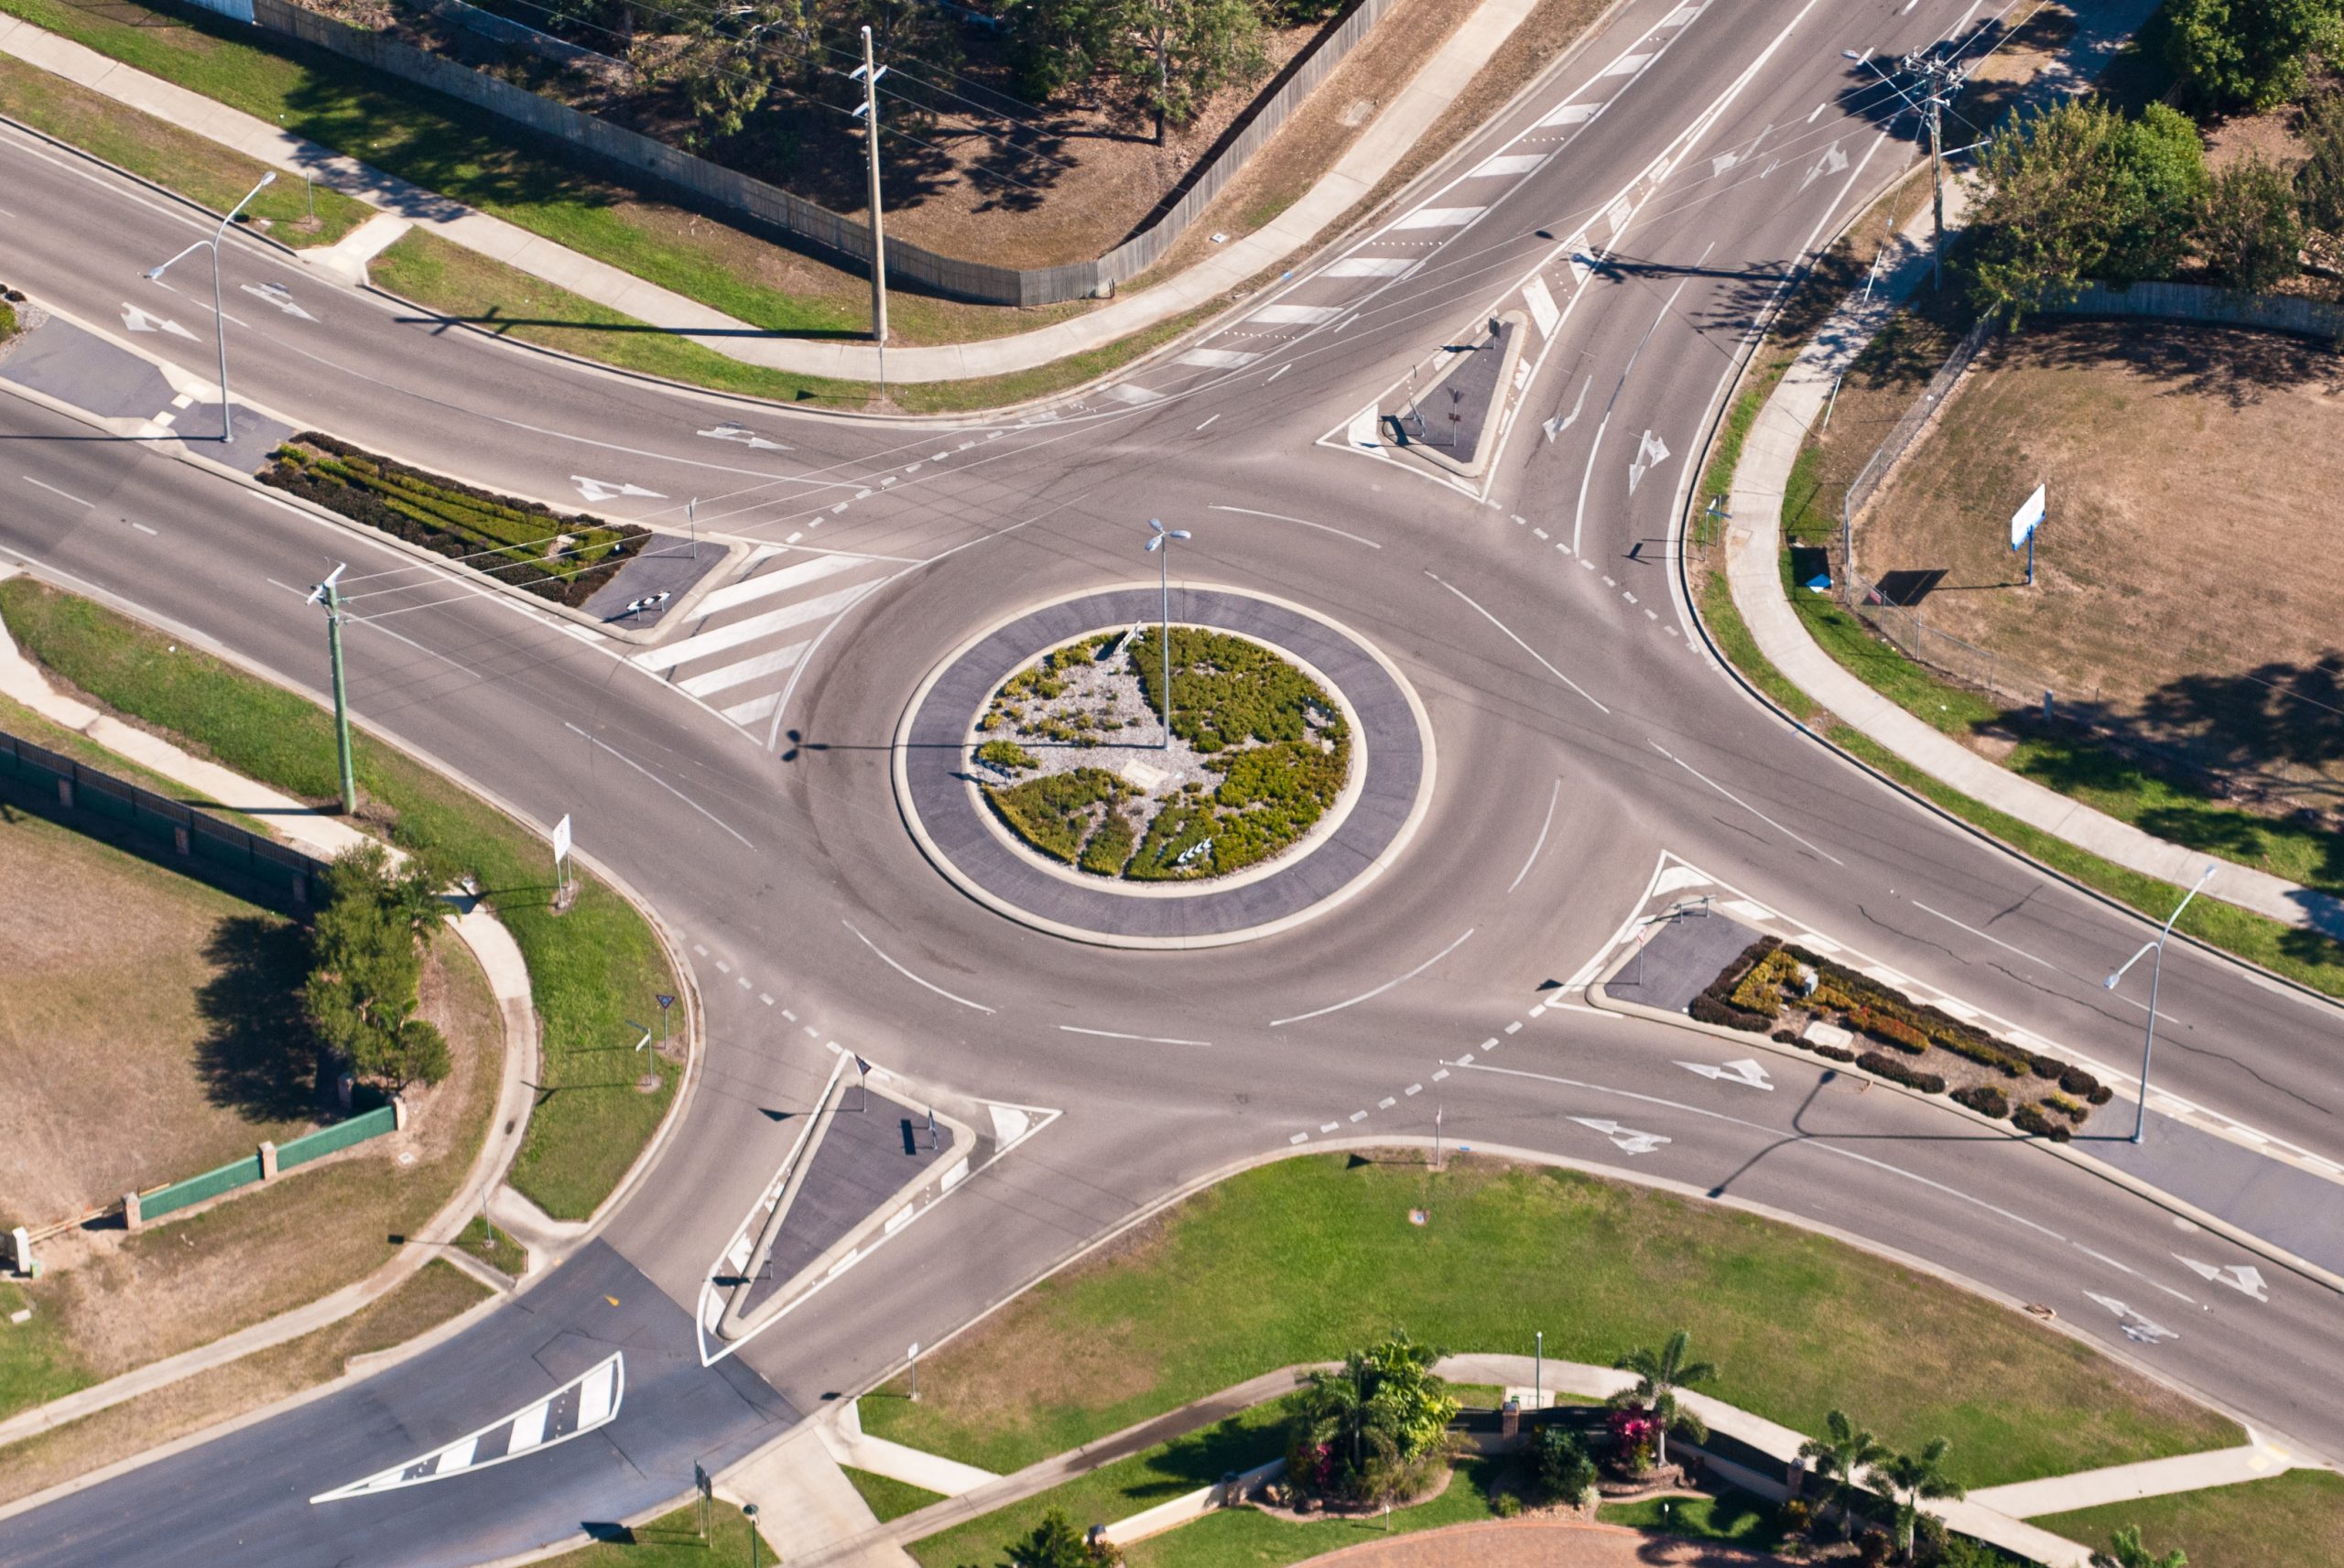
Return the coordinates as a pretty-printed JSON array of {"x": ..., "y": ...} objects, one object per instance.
[{"x": 1999, "y": 674}]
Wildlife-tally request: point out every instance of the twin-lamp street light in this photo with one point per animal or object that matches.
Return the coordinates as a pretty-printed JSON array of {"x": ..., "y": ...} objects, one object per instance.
[
  {"x": 219, "y": 317},
  {"x": 2141, "y": 1112},
  {"x": 1159, "y": 545}
]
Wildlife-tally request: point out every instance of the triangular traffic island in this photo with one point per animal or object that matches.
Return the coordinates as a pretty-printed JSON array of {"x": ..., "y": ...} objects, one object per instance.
[{"x": 872, "y": 1155}]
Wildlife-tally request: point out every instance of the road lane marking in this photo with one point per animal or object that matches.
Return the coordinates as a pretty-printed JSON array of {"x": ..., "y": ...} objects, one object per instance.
[
  {"x": 1144, "y": 1039},
  {"x": 1281, "y": 517},
  {"x": 1744, "y": 803},
  {"x": 655, "y": 778},
  {"x": 1370, "y": 996},
  {"x": 1552, "y": 800},
  {"x": 891, "y": 963},
  {"x": 1518, "y": 642},
  {"x": 54, "y": 491}
]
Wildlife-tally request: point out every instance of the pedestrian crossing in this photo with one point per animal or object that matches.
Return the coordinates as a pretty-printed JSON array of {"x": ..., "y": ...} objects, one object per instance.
[{"x": 746, "y": 638}]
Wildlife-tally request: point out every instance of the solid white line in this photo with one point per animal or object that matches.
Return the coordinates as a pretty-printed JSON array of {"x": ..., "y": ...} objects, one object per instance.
[
  {"x": 891, "y": 963},
  {"x": 1543, "y": 826},
  {"x": 1144, "y": 1039},
  {"x": 1281, "y": 517},
  {"x": 1744, "y": 803},
  {"x": 1369, "y": 266},
  {"x": 1279, "y": 372},
  {"x": 1209, "y": 419},
  {"x": 1518, "y": 642},
  {"x": 1370, "y": 996},
  {"x": 54, "y": 491},
  {"x": 655, "y": 778}
]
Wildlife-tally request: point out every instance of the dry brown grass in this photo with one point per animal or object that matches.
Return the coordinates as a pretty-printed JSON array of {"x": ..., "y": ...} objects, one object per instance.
[
  {"x": 2190, "y": 540},
  {"x": 436, "y": 1292}
]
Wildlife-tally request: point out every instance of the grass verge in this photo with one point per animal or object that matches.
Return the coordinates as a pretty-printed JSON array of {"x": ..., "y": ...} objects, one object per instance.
[
  {"x": 589, "y": 969},
  {"x": 493, "y": 1247},
  {"x": 672, "y": 1541},
  {"x": 1248, "y": 1538},
  {"x": 1119, "y": 1490},
  {"x": 888, "y": 1497},
  {"x": 2295, "y": 1518},
  {"x": 196, "y": 166},
  {"x": 26, "y": 725},
  {"x": 1734, "y": 1518},
  {"x": 1309, "y": 1258},
  {"x": 36, "y": 1365},
  {"x": 436, "y": 1292}
]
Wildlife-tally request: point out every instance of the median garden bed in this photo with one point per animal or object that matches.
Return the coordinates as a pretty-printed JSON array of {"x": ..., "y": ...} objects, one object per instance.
[
  {"x": 1071, "y": 755},
  {"x": 1801, "y": 999},
  {"x": 521, "y": 544}
]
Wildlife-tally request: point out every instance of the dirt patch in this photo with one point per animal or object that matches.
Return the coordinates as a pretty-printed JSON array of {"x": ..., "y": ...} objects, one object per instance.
[
  {"x": 150, "y": 1027},
  {"x": 434, "y": 1295},
  {"x": 2225, "y": 544}
]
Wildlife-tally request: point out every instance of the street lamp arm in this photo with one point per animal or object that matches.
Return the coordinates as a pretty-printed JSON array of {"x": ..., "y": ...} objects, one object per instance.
[
  {"x": 154, "y": 274},
  {"x": 2110, "y": 982}
]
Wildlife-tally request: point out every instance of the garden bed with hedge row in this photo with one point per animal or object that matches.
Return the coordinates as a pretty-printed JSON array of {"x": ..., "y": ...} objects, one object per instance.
[
  {"x": 520, "y": 543},
  {"x": 1784, "y": 993}
]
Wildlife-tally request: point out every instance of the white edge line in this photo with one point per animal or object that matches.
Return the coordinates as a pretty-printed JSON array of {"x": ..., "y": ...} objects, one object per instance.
[
  {"x": 1370, "y": 996},
  {"x": 655, "y": 778},
  {"x": 1552, "y": 801},
  {"x": 891, "y": 963}
]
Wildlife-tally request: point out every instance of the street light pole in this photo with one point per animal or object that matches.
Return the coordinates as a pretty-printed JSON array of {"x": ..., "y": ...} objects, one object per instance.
[
  {"x": 219, "y": 316},
  {"x": 869, "y": 75},
  {"x": 1158, "y": 546},
  {"x": 329, "y": 593},
  {"x": 2157, "y": 967}
]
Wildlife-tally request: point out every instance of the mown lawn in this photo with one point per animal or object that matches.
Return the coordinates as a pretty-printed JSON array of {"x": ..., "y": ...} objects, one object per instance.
[
  {"x": 1309, "y": 1258},
  {"x": 591, "y": 968},
  {"x": 888, "y": 1497},
  {"x": 673, "y": 1541},
  {"x": 2296, "y": 1518}
]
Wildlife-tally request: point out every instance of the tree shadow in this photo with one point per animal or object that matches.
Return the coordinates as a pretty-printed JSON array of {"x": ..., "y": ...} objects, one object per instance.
[
  {"x": 2236, "y": 365},
  {"x": 259, "y": 1056}
]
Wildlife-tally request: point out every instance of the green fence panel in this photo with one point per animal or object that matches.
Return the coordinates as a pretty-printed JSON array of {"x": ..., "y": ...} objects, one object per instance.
[
  {"x": 340, "y": 1136},
  {"x": 195, "y": 1189}
]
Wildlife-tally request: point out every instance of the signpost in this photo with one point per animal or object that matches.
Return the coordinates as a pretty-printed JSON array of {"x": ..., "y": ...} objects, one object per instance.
[
  {"x": 666, "y": 1001},
  {"x": 2024, "y": 523},
  {"x": 706, "y": 1500}
]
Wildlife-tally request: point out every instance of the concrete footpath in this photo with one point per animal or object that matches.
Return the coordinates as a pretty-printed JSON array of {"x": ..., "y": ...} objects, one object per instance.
[
  {"x": 498, "y": 956},
  {"x": 1388, "y": 137},
  {"x": 1753, "y": 553},
  {"x": 796, "y": 1481}
]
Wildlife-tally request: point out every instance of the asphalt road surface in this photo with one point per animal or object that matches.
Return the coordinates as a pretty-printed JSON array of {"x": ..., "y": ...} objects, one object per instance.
[{"x": 1583, "y": 731}]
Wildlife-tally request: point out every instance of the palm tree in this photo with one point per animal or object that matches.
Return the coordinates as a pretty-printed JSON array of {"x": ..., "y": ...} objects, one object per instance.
[
  {"x": 1839, "y": 1455},
  {"x": 1911, "y": 1477},
  {"x": 2125, "y": 1550},
  {"x": 1659, "y": 1374}
]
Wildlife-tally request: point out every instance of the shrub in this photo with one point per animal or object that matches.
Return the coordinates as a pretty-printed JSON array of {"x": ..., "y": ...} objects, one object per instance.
[
  {"x": 1835, "y": 1053},
  {"x": 1110, "y": 846},
  {"x": 1796, "y": 1515},
  {"x": 1891, "y": 1068},
  {"x": 2075, "y": 1081},
  {"x": 1889, "y": 1031},
  {"x": 8, "y": 320},
  {"x": 1053, "y": 814},
  {"x": 1560, "y": 1465},
  {"x": 2029, "y": 1118},
  {"x": 2046, "y": 1066},
  {"x": 1505, "y": 1504},
  {"x": 2072, "y": 1110},
  {"x": 2100, "y": 1094},
  {"x": 1706, "y": 1009},
  {"x": 1007, "y": 755},
  {"x": 1985, "y": 1099},
  {"x": 1761, "y": 991},
  {"x": 1786, "y": 1037}
]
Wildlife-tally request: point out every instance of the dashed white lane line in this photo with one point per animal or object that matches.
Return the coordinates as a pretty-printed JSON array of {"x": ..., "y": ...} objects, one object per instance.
[
  {"x": 1515, "y": 1028},
  {"x": 1386, "y": 1103},
  {"x": 1330, "y": 1127},
  {"x": 1358, "y": 1116},
  {"x": 1440, "y": 1074},
  {"x": 1414, "y": 1089},
  {"x": 143, "y": 529},
  {"x": 764, "y": 998}
]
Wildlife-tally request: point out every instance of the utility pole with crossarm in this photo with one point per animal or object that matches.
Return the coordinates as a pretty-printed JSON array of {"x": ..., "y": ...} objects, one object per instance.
[
  {"x": 329, "y": 593},
  {"x": 869, "y": 74}
]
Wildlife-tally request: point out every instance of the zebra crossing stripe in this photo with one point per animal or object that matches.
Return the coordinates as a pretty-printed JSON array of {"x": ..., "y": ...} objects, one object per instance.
[{"x": 587, "y": 1401}]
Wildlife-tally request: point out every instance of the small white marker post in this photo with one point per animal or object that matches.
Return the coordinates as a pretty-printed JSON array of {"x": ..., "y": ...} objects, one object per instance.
[
  {"x": 561, "y": 861},
  {"x": 915, "y": 1356}
]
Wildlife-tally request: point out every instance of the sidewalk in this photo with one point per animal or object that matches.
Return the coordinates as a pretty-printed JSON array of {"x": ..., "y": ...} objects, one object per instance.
[
  {"x": 1386, "y": 140},
  {"x": 498, "y": 955},
  {"x": 1753, "y": 555}
]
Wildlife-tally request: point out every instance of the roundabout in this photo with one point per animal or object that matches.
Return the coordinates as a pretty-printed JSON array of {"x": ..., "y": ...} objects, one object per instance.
[{"x": 1354, "y": 732}]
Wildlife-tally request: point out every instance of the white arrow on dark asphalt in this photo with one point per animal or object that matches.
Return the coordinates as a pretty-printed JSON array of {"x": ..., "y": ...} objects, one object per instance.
[
  {"x": 2244, "y": 1278},
  {"x": 1650, "y": 451},
  {"x": 2136, "y": 1326},
  {"x": 1832, "y": 161},
  {"x": 600, "y": 490},
  {"x": 276, "y": 294},
  {"x": 1556, "y": 427},
  {"x": 137, "y": 321},
  {"x": 746, "y": 437},
  {"x": 1746, "y": 1071},
  {"x": 1626, "y": 1140}
]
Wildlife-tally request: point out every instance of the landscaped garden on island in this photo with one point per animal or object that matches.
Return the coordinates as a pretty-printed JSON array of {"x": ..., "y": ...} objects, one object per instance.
[
  {"x": 1071, "y": 755},
  {"x": 1802, "y": 1000}
]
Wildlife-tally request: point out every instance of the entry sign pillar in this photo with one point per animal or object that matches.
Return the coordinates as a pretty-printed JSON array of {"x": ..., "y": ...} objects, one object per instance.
[{"x": 2024, "y": 523}]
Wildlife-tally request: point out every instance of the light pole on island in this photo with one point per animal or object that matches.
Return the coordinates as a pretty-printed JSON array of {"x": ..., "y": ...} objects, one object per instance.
[
  {"x": 1159, "y": 546},
  {"x": 219, "y": 316},
  {"x": 2157, "y": 964}
]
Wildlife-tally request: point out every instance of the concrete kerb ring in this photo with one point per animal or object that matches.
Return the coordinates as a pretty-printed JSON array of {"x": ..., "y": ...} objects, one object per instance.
[{"x": 1374, "y": 858}]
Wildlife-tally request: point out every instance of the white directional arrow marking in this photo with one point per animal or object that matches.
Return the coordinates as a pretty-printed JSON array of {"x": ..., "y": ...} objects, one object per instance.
[
  {"x": 276, "y": 294},
  {"x": 747, "y": 438},
  {"x": 601, "y": 489},
  {"x": 1556, "y": 427},
  {"x": 2136, "y": 1326},
  {"x": 2244, "y": 1278},
  {"x": 137, "y": 321},
  {"x": 1746, "y": 1071},
  {"x": 1650, "y": 451},
  {"x": 1832, "y": 161},
  {"x": 1626, "y": 1140}
]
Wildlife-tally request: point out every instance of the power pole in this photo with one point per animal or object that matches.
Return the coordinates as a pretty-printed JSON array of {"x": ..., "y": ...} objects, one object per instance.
[
  {"x": 1939, "y": 77},
  {"x": 329, "y": 593},
  {"x": 868, "y": 74}
]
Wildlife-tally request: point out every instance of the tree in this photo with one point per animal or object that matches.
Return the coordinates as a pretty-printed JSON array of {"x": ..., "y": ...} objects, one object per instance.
[
  {"x": 2251, "y": 54},
  {"x": 1053, "y": 1543},
  {"x": 1364, "y": 1430},
  {"x": 2319, "y": 179},
  {"x": 1913, "y": 1477},
  {"x": 2043, "y": 229},
  {"x": 1178, "y": 52},
  {"x": 366, "y": 947},
  {"x": 1559, "y": 1462},
  {"x": 735, "y": 53},
  {"x": 2247, "y": 229},
  {"x": 2161, "y": 179},
  {"x": 2125, "y": 1550},
  {"x": 1839, "y": 1457},
  {"x": 1659, "y": 1374},
  {"x": 1057, "y": 44}
]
